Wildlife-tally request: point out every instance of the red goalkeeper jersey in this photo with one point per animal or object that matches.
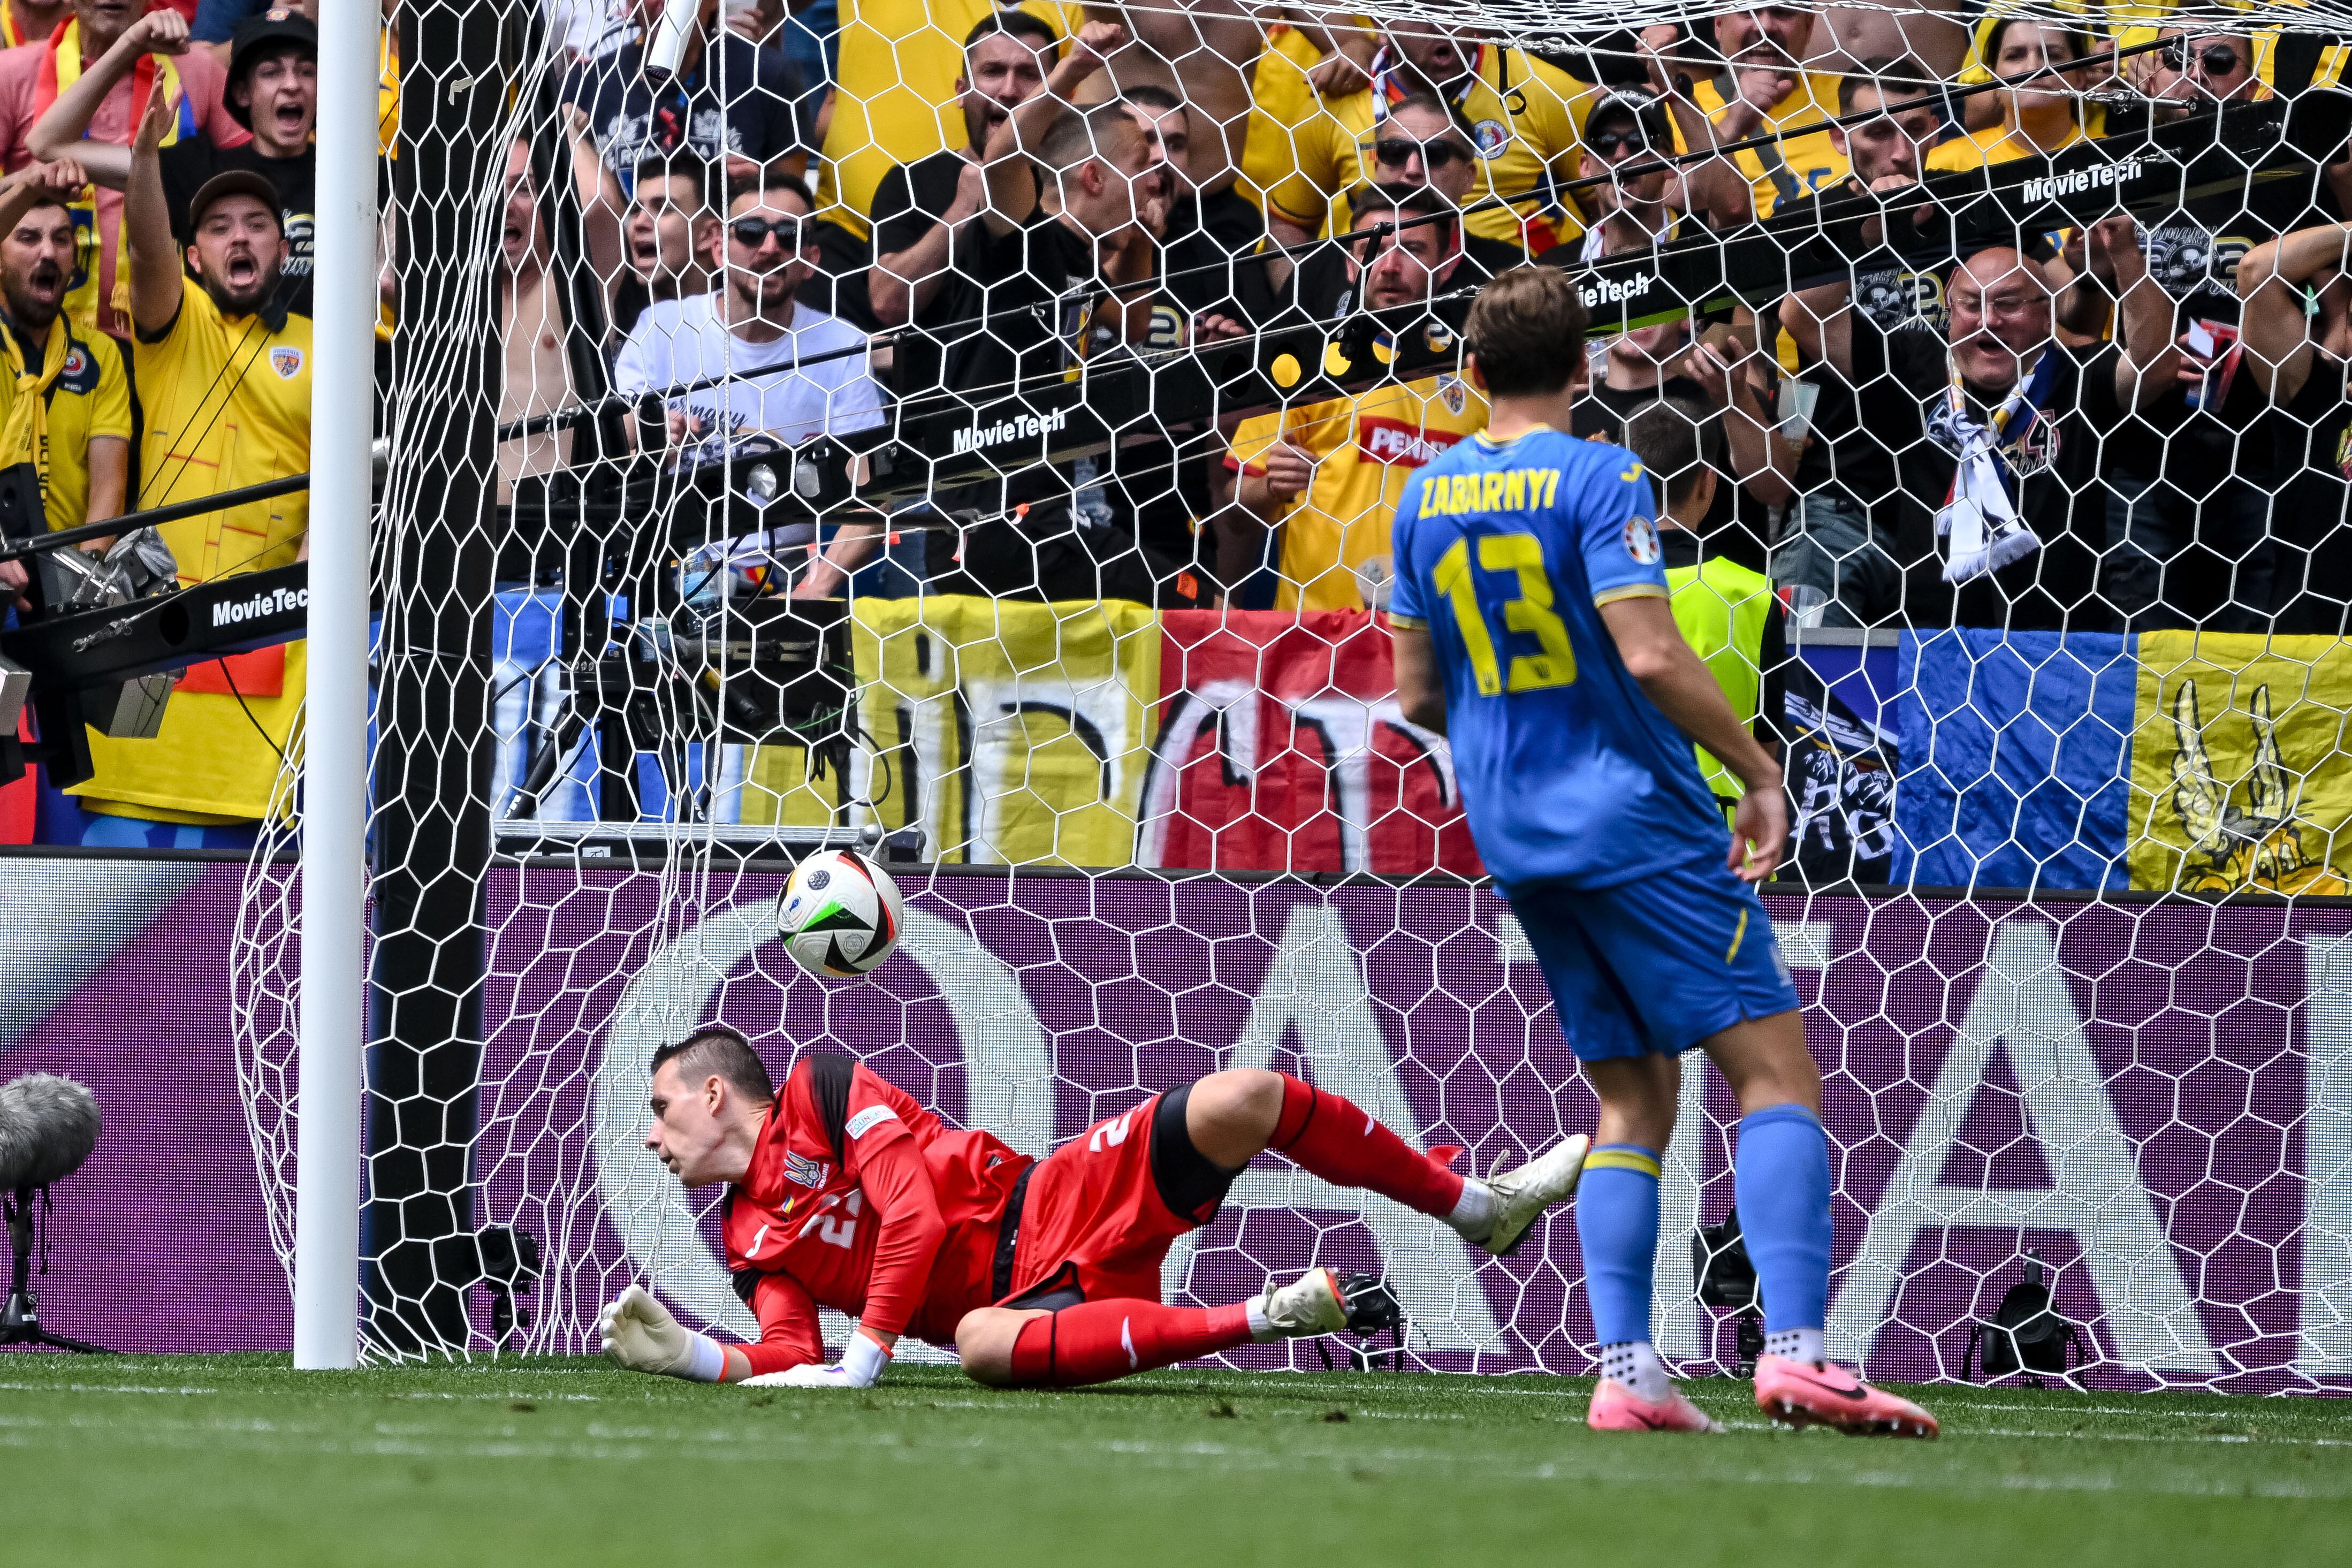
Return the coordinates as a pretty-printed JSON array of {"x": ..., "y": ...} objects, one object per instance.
[{"x": 894, "y": 1223}]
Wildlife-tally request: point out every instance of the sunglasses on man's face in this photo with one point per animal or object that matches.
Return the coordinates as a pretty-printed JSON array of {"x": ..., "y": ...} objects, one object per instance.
[
  {"x": 1395, "y": 151},
  {"x": 1610, "y": 144},
  {"x": 2219, "y": 59},
  {"x": 750, "y": 232}
]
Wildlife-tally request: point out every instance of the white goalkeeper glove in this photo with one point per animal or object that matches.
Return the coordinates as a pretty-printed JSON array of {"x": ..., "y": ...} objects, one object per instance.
[
  {"x": 639, "y": 1333},
  {"x": 861, "y": 1364}
]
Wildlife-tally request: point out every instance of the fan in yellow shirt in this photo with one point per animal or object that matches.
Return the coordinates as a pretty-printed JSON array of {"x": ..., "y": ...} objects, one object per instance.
[
  {"x": 1756, "y": 88},
  {"x": 224, "y": 374},
  {"x": 2036, "y": 118},
  {"x": 70, "y": 403},
  {"x": 1525, "y": 118},
  {"x": 1328, "y": 475}
]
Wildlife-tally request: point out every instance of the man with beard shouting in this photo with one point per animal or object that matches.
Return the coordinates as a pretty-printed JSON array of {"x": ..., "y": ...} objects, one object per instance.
[
  {"x": 80, "y": 435},
  {"x": 68, "y": 411},
  {"x": 224, "y": 373}
]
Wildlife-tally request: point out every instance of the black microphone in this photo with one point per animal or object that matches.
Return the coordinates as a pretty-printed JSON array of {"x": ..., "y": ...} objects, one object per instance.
[{"x": 49, "y": 1125}]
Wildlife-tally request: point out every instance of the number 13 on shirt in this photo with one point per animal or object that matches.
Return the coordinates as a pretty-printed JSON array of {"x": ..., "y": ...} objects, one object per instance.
[{"x": 1527, "y": 611}]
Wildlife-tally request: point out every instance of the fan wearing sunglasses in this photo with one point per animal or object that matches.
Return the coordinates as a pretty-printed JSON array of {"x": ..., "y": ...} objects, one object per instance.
[
  {"x": 1636, "y": 213},
  {"x": 785, "y": 372},
  {"x": 2193, "y": 73},
  {"x": 1424, "y": 142}
]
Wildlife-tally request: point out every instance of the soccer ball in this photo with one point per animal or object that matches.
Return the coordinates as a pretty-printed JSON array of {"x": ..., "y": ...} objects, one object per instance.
[{"x": 840, "y": 915}]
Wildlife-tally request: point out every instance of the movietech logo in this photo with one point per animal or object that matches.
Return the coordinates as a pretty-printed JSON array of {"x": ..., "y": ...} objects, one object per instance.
[
  {"x": 2049, "y": 187},
  {"x": 1608, "y": 291},
  {"x": 277, "y": 601},
  {"x": 1028, "y": 427}
]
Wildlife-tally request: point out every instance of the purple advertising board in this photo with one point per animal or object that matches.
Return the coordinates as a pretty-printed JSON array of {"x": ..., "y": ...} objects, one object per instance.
[{"x": 2154, "y": 1098}]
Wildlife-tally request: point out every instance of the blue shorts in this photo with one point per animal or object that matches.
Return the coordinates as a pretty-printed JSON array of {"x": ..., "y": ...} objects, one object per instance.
[{"x": 1655, "y": 964}]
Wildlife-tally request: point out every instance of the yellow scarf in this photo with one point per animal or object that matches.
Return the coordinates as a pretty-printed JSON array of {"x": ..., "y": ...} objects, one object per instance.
[{"x": 25, "y": 427}]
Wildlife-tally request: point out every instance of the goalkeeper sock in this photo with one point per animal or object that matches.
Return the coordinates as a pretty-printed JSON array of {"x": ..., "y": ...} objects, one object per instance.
[
  {"x": 1340, "y": 1142},
  {"x": 1781, "y": 1180},
  {"x": 1617, "y": 1225},
  {"x": 1096, "y": 1341}
]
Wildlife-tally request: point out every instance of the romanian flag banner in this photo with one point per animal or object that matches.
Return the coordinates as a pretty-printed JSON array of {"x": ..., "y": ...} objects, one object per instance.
[{"x": 1107, "y": 734}]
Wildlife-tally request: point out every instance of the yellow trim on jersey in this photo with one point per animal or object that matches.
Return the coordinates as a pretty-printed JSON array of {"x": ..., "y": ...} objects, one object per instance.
[
  {"x": 1537, "y": 429},
  {"x": 1738, "y": 935},
  {"x": 1408, "y": 623},
  {"x": 1622, "y": 1159},
  {"x": 1638, "y": 590}
]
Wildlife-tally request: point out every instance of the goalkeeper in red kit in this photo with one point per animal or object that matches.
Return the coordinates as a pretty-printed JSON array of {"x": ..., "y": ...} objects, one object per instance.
[{"x": 842, "y": 1191}]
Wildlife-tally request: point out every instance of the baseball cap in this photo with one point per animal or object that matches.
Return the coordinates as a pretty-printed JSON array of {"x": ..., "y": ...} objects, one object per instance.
[
  {"x": 266, "y": 32},
  {"x": 233, "y": 182}
]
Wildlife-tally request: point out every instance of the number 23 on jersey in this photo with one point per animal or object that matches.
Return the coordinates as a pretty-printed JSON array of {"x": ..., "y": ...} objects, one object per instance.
[{"x": 1528, "y": 611}]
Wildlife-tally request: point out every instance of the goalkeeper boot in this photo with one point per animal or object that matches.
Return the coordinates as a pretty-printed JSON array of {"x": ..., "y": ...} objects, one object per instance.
[
  {"x": 1817, "y": 1393},
  {"x": 1321, "y": 1301},
  {"x": 1617, "y": 1408},
  {"x": 1521, "y": 1195}
]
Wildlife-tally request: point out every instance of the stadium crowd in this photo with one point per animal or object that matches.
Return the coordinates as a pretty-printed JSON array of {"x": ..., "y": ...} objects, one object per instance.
[
  {"x": 824, "y": 214},
  {"x": 1064, "y": 183}
]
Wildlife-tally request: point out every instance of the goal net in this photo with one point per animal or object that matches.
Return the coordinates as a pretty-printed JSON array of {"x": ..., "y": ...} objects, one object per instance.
[{"x": 941, "y": 428}]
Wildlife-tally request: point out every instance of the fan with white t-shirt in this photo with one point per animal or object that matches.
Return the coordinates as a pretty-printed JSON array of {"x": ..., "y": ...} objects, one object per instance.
[{"x": 813, "y": 379}]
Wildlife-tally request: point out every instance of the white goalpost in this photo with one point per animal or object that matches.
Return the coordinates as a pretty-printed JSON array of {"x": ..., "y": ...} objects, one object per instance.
[{"x": 333, "y": 1019}]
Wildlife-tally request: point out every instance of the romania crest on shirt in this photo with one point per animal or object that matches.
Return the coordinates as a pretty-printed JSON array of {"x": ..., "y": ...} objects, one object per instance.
[{"x": 286, "y": 362}]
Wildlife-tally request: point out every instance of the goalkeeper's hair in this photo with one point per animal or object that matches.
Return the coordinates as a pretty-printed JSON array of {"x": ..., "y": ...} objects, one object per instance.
[
  {"x": 1678, "y": 439},
  {"x": 1526, "y": 329},
  {"x": 716, "y": 1050}
]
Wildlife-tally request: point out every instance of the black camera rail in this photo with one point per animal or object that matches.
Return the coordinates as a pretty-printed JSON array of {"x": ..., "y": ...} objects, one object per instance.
[{"x": 211, "y": 620}]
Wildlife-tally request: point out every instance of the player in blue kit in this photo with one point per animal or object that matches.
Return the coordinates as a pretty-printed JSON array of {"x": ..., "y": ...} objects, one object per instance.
[{"x": 1532, "y": 622}]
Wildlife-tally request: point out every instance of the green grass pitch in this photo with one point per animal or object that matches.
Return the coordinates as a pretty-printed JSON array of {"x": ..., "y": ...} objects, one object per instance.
[{"x": 240, "y": 1460}]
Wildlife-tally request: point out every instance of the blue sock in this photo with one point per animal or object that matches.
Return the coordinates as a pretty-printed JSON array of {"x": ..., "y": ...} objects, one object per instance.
[
  {"x": 1780, "y": 1179},
  {"x": 1617, "y": 1223}
]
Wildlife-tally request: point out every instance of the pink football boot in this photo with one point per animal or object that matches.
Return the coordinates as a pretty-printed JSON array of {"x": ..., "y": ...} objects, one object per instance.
[
  {"x": 1617, "y": 1408},
  {"x": 1806, "y": 1393}
]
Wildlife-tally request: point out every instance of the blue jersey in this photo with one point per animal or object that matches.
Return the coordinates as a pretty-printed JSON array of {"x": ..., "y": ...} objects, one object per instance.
[{"x": 1506, "y": 553}]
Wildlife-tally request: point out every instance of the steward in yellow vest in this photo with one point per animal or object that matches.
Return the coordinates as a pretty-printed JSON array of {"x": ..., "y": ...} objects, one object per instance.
[{"x": 1729, "y": 614}]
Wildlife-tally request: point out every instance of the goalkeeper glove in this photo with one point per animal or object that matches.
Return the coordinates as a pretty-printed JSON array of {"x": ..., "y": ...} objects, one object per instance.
[
  {"x": 861, "y": 1364},
  {"x": 639, "y": 1333}
]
